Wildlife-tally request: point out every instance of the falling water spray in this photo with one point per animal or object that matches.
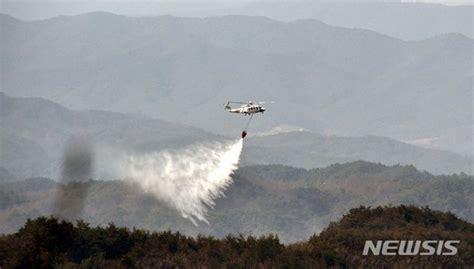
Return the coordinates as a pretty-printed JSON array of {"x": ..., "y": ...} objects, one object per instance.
[{"x": 189, "y": 179}]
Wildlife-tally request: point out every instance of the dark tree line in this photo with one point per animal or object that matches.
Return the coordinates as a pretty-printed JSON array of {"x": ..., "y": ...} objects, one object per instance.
[{"x": 47, "y": 242}]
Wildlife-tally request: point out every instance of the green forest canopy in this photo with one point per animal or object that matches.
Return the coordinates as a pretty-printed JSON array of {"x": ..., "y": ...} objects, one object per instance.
[{"x": 45, "y": 242}]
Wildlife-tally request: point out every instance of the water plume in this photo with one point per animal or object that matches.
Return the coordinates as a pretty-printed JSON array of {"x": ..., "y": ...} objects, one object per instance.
[{"x": 188, "y": 179}]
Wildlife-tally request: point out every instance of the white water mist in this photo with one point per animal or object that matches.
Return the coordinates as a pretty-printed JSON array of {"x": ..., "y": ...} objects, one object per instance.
[{"x": 189, "y": 179}]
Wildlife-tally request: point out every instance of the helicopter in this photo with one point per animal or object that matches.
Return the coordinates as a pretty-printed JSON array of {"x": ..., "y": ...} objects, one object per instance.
[
  {"x": 246, "y": 108},
  {"x": 249, "y": 108}
]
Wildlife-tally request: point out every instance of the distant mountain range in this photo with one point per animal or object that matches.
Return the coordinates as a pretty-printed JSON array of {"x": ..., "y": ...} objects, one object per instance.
[
  {"x": 409, "y": 21},
  {"x": 326, "y": 79},
  {"x": 310, "y": 150},
  {"x": 292, "y": 202},
  {"x": 401, "y": 19},
  {"x": 36, "y": 131}
]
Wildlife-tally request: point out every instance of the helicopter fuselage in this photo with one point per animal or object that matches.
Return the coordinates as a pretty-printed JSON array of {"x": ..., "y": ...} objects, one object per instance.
[{"x": 247, "y": 109}]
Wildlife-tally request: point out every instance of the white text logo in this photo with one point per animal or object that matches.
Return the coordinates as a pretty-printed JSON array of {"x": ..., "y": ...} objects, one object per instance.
[{"x": 410, "y": 247}]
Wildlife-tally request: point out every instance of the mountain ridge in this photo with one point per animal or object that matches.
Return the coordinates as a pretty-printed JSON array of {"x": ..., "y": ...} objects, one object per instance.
[
  {"x": 323, "y": 78},
  {"x": 36, "y": 131}
]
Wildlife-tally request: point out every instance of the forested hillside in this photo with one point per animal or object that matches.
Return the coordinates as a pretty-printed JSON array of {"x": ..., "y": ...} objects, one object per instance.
[
  {"x": 47, "y": 242},
  {"x": 291, "y": 202}
]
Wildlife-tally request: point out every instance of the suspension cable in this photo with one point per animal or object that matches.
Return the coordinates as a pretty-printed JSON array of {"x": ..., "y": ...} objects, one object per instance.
[{"x": 248, "y": 122}]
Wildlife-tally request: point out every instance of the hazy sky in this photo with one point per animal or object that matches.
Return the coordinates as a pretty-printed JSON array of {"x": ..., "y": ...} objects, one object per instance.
[
  {"x": 40, "y": 9},
  {"x": 444, "y": 2}
]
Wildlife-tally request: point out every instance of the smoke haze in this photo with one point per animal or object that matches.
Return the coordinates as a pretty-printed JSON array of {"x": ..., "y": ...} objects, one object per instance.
[
  {"x": 189, "y": 179},
  {"x": 77, "y": 167}
]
